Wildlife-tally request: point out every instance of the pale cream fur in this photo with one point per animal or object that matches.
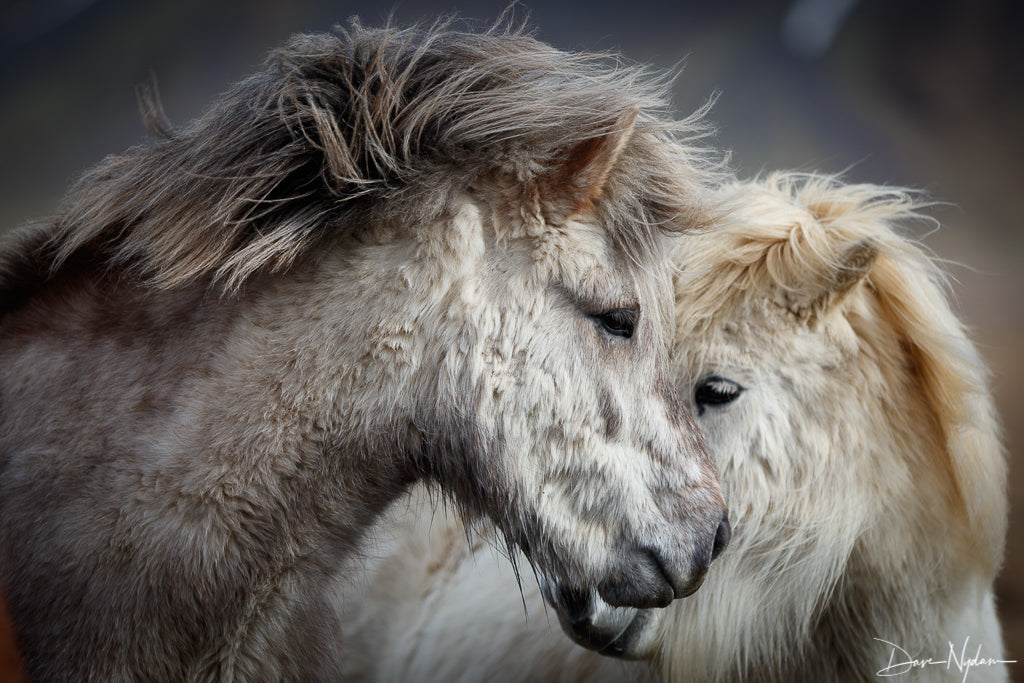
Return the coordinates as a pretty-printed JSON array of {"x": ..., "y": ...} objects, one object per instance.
[{"x": 862, "y": 465}]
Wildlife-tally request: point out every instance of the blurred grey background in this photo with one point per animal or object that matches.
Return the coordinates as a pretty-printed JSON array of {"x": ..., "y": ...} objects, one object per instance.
[{"x": 923, "y": 94}]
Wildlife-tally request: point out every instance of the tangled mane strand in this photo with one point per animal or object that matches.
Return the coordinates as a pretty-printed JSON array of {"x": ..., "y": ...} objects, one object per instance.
[
  {"x": 385, "y": 122},
  {"x": 787, "y": 225}
]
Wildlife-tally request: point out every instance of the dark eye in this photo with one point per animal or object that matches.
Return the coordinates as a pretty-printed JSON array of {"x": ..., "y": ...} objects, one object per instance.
[
  {"x": 715, "y": 391},
  {"x": 620, "y": 322}
]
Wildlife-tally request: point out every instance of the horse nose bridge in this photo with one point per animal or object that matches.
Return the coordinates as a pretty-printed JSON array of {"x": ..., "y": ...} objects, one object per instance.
[
  {"x": 675, "y": 442},
  {"x": 684, "y": 469},
  {"x": 690, "y": 504},
  {"x": 696, "y": 517}
]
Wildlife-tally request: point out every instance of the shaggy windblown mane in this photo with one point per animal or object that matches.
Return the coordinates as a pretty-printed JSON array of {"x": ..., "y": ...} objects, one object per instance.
[
  {"x": 368, "y": 126},
  {"x": 771, "y": 245}
]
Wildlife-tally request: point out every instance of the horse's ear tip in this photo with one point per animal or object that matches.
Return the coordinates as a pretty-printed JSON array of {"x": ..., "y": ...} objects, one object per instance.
[
  {"x": 855, "y": 263},
  {"x": 861, "y": 255},
  {"x": 579, "y": 176}
]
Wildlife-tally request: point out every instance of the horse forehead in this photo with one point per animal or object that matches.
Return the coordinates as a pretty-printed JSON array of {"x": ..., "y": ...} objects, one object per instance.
[
  {"x": 758, "y": 336},
  {"x": 577, "y": 251},
  {"x": 583, "y": 255}
]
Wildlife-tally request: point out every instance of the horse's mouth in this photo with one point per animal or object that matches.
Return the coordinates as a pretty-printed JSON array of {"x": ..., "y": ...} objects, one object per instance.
[{"x": 593, "y": 623}]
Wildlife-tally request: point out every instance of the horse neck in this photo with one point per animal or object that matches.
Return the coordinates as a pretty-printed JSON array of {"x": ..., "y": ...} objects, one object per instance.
[
  {"x": 314, "y": 397},
  {"x": 257, "y": 394}
]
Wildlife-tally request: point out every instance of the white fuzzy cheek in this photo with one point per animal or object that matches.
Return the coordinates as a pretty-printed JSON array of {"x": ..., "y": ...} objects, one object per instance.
[
  {"x": 751, "y": 444},
  {"x": 553, "y": 471},
  {"x": 588, "y": 483},
  {"x": 561, "y": 521}
]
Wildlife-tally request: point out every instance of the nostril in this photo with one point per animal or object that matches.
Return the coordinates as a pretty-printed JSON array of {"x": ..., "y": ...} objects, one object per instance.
[{"x": 722, "y": 537}]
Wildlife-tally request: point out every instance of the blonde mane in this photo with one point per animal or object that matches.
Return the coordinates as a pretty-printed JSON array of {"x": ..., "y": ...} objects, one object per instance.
[{"x": 363, "y": 129}]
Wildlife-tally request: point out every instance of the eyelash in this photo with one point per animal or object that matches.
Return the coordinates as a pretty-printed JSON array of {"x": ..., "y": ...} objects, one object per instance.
[{"x": 715, "y": 391}]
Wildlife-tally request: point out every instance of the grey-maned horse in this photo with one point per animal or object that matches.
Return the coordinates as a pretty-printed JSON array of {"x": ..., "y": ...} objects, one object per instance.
[{"x": 390, "y": 256}]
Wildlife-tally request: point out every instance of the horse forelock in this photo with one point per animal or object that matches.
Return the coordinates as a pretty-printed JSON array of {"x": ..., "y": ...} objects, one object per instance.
[{"x": 382, "y": 122}]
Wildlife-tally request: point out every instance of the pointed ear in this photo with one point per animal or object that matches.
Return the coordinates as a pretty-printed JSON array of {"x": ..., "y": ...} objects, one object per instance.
[
  {"x": 819, "y": 295},
  {"x": 579, "y": 175},
  {"x": 854, "y": 265}
]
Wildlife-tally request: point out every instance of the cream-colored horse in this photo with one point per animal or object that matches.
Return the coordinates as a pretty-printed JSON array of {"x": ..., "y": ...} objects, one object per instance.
[
  {"x": 389, "y": 256},
  {"x": 853, "y": 429}
]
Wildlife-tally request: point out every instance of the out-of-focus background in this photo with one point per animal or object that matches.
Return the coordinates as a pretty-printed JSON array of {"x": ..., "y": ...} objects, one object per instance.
[{"x": 922, "y": 93}]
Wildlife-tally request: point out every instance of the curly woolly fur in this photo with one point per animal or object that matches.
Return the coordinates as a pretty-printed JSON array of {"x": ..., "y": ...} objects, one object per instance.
[
  {"x": 861, "y": 461},
  {"x": 379, "y": 260}
]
